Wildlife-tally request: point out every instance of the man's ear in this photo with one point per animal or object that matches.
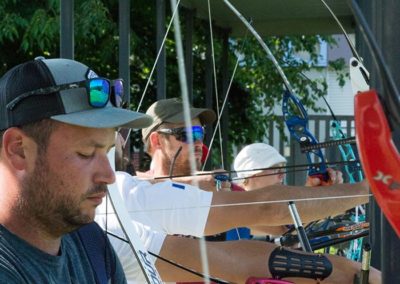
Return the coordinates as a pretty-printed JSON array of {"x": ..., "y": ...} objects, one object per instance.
[
  {"x": 14, "y": 148},
  {"x": 154, "y": 140}
]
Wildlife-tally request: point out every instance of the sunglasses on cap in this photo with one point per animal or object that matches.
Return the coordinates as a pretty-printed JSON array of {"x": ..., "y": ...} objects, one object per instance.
[
  {"x": 99, "y": 92},
  {"x": 181, "y": 133}
]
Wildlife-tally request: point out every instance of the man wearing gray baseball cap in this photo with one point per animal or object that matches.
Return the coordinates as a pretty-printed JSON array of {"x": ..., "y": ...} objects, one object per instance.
[
  {"x": 57, "y": 123},
  {"x": 168, "y": 120},
  {"x": 171, "y": 111},
  {"x": 169, "y": 126}
]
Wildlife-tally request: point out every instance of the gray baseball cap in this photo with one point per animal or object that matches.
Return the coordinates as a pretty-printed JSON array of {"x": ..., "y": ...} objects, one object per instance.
[
  {"x": 32, "y": 79},
  {"x": 171, "y": 111}
]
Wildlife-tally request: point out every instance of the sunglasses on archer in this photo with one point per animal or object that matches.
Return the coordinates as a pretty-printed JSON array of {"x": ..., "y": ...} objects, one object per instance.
[
  {"x": 99, "y": 92},
  {"x": 181, "y": 133}
]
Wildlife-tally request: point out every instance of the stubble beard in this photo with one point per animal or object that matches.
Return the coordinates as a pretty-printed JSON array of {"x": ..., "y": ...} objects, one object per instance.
[
  {"x": 181, "y": 167},
  {"x": 47, "y": 203}
]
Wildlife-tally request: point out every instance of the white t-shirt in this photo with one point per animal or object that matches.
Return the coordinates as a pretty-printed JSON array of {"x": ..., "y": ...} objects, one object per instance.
[
  {"x": 169, "y": 207},
  {"x": 162, "y": 208}
]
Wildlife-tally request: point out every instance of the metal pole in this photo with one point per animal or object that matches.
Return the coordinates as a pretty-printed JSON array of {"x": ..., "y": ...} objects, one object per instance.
[
  {"x": 123, "y": 58},
  {"x": 124, "y": 46},
  {"x": 225, "y": 85},
  {"x": 189, "y": 22},
  {"x": 67, "y": 29},
  {"x": 160, "y": 68},
  {"x": 305, "y": 244},
  {"x": 209, "y": 83}
]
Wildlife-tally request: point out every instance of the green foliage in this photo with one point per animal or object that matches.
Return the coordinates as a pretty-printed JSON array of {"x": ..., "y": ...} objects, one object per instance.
[
  {"x": 41, "y": 32},
  {"x": 262, "y": 86},
  {"x": 339, "y": 66}
]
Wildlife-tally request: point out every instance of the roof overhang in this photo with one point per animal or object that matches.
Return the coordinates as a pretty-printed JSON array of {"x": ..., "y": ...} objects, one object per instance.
[{"x": 277, "y": 17}]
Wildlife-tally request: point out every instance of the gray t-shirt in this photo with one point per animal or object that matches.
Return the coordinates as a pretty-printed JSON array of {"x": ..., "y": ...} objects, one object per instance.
[{"x": 22, "y": 263}]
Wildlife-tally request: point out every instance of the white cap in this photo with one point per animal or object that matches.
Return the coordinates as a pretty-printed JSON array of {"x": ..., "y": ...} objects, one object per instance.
[{"x": 256, "y": 156}]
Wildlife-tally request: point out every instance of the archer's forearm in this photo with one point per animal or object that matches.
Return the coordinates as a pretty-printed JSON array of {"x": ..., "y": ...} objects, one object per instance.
[
  {"x": 231, "y": 261},
  {"x": 320, "y": 202},
  {"x": 268, "y": 206},
  {"x": 236, "y": 261}
]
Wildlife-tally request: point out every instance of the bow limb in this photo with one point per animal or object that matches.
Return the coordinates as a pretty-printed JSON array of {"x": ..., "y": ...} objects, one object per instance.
[
  {"x": 294, "y": 113},
  {"x": 262, "y": 43},
  {"x": 147, "y": 266},
  {"x": 359, "y": 75},
  {"x": 379, "y": 155},
  {"x": 374, "y": 125}
]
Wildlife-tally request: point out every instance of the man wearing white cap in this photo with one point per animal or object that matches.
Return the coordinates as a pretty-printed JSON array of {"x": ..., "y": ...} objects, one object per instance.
[
  {"x": 269, "y": 163},
  {"x": 259, "y": 156},
  {"x": 263, "y": 157}
]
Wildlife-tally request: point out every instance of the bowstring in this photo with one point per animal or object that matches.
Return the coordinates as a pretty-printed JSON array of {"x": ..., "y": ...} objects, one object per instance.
[
  {"x": 225, "y": 101},
  {"x": 218, "y": 127},
  {"x": 178, "y": 265},
  {"x": 302, "y": 168},
  {"x": 261, "y": 202},
  {"x": 174, "y": 14},
  {"x": 160, "y": 50},
  {"x": 219, "y": 112},
  {"x": 351, "y": 45}
]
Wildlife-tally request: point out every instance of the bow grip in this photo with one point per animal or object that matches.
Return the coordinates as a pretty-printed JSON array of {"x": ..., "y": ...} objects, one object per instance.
[
  {"x": 221, "y": 177},
  {"x": 324, "y": 177}
]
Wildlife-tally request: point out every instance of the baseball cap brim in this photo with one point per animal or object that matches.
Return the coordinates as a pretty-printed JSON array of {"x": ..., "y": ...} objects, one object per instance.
[
  {"x": 205, "y": 115},
  {"x": 108, "y": 117},
  {"x": 172, "y": 111}
]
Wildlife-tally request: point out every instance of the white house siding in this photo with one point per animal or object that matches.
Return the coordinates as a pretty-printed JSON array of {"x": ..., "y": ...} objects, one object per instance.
[{"x": 340, "y": 98}]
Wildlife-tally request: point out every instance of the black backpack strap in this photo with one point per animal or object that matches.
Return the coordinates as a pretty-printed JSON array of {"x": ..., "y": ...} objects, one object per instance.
[{"x": 98, "y": 249}]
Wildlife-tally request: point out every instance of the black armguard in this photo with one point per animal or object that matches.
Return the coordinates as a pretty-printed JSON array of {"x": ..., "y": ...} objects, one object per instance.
[{"x": 287, "y": 263}]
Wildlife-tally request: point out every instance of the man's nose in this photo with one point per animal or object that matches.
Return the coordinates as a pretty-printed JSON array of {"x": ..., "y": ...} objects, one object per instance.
[{"x": 105, "y": 173}]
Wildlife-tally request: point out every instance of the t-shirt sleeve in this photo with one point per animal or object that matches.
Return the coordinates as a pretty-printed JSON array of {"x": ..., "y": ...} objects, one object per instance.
[{"x": 174, "y": 208}]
